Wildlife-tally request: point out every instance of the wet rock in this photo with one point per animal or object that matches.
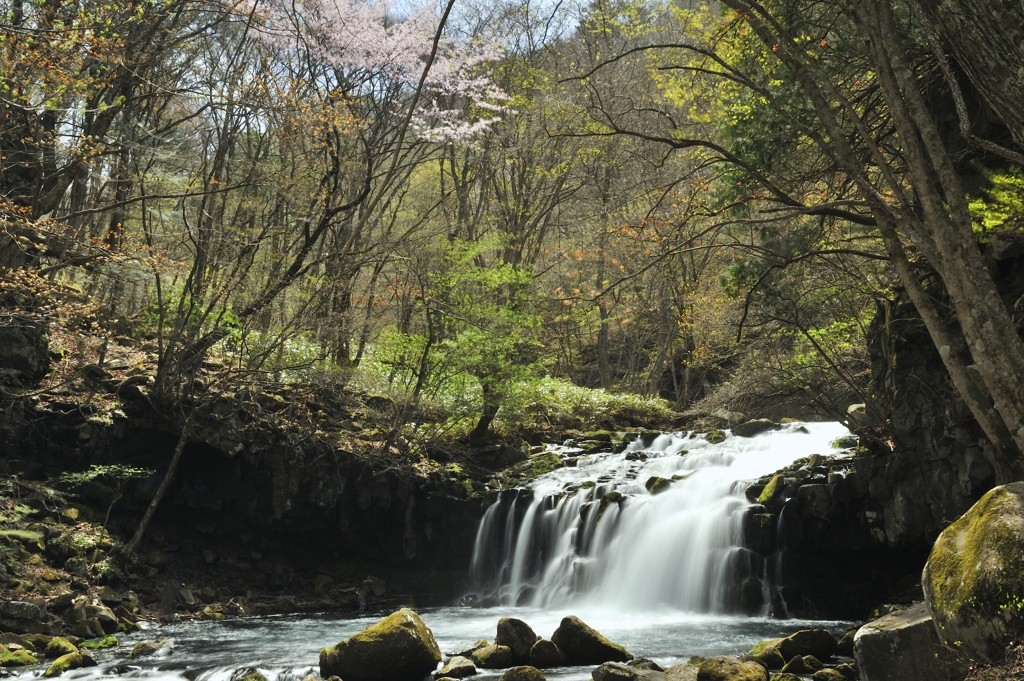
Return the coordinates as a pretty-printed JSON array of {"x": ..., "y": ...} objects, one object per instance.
[
  {"x": 828, "y": 675},
  {"x": 681, "y": 672},
  {"x": 714, "y": 436},
  {"x": 845, "y": 647},
  {"x": 109, "y": 597},
  {"x": 753, "y": 427},
  {"x": 644, "y": 664},
  {"x": 105, "y": 616},
  {"x": 903, "y": 646},
  {"x": 162, "y": 646},
  {"x": 797, "y": 665},
  {"x": 482, "y": 643},
  {"x": 399, "y": 647},
  {"x": 657, "y": 484},
  {"x": 759, "y": 532},
  {"x": 523, "y": 673},
  {"x": 376, "y": 585},
  {"x": 613, "y": 671},
  {"x": 724, "y": 668},
  {"x": 767, "y": 653},
  {"x": 848, "y": 671},
  {"x": 88, "y": 628},
  {"x": 974, "y": 576},
  {"x": 58, "y": 647},
  {"x": 457, "y": 668},
  {"x": 518, "y": 637},
  {"x": 786, "y": 677},
  {"x": 248, "y": 674},
  {"x": 68, "y": 662},
  {"x": 493, "y": 657},
  {"x": 817, "y": 642},
  {"x": 816, "y": 500},
  {"x": 545, "y": 654},
  {"x": 585, "y": 645}
]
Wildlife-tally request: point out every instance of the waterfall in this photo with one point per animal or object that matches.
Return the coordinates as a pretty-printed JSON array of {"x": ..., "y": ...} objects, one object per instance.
[{"x": 592, "y": 533}]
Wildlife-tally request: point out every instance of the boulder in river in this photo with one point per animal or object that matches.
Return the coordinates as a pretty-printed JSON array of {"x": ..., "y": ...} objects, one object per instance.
[
  {"x": 768, "y": 654},
  {"x": 59, "y": 646},
  {"x": 903, "y": 646},
  {"x": 817, "y": 642},
  {"x": 457, "y": 668},
  {"x": 68, "y": 662},
  {"x": 518, "y": 637},
  {"x": 399, "y": 647},
  {"x": 724, "y": 668},
  {"x": 15, "y": 658},
  {"x": 974, "y": 578},
  {"x": 545, "y": 654},
  {"x": 753, "y": 427},
  {"x": 162, "y": 645},
  {"x": 493, "y": 657},
  {"x": 616, "y": 671},
  {"x": 585, "y": 645},
  {"x": 523, "y": 673}
]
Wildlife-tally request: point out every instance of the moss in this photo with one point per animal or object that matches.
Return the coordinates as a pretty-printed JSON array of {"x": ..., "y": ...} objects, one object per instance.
[
  {"x": 105, "y": 642},
  {"x": 656, "y": 484},
  {"x": 250, "y": 674},
  {"x": 58, "y": 647},
  {"x": 15, "y": 658},
  {"x": 976, "y": 569},
  {"x": 773, "y": 487},
  {"x": 606, "y": 501},
  {"x": 714, "y": 436},
  {"x": 64, "y": 663},
  {"x": 764, "y": 645}
]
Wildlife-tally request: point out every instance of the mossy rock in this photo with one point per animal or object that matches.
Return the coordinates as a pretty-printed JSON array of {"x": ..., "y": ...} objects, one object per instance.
[
  {"x": 714, "y": 436},
  {"x": 584, "y": 645},
  {"x": 58, "y": 647},
  {"x": 538, "y": 465},
  {"x": 828, "y": 675},
  {"x": 657, "y": 484},
  {"x": 724, "y": 668},
  {"x": 785, "y": 676},
  {"x": 492, "y": 657},
  {"x": 65, "y": 663},
  {"x": 771, "y": 491},
  {"x": 974, "y": 579},
  {"x": 606, "y": 501},
  {"x": 103, "y": 643},
  {"x": 15, "y": 658},
  {"x": 248, "y": 674},
  {"x": 767, "y": 653},
  {"x": 399, "y": 647},
  {"x": 523, "y": 673}
]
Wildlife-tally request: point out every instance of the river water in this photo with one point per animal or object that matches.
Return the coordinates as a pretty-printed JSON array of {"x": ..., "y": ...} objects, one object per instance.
[{"x": 655, "y": 573}]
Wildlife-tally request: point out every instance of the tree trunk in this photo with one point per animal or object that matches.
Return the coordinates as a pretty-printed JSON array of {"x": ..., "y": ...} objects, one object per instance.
[
  {"x": 133, "y": 543},
  {"x": 490, "y": 410}
]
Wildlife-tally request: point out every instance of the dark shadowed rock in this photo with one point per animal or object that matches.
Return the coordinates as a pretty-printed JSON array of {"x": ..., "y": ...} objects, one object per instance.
[
  {"x": 518, "y": 637},
  {"x": 585, "y": 645},
  {"x": 545, "y": 654},
  {"x": 903, "y": 646},
  {"x": 400, "y": 647},
  {"x": 753, "y": 427},
  {"x": 817, "y": 642}
]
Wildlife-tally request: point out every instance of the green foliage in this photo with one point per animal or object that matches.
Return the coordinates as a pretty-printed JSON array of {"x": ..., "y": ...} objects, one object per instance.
[
  {"x": 116, "y": 472},
  {"x": 999, "y": 208}
]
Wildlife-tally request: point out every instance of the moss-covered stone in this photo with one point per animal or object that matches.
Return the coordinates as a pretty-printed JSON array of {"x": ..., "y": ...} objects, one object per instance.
[
  {"x": 828, "y": 675},
  {"x": 582, "y": 644},
  {"x": 58, "y": 647},
  {"x": 248, "y": 674},
  {"x": 105, "y": 642},
  {"x": 785, "y": 676},
  {"x": 724, "y": 668},
  {"x": 492, "y": 657},
  {"x": 974, "y": 579},
  {"x": 150, "y": 647},
  {"x": 399, "y": 647},
  {"x": 657, "y": 484},
  {"x": 767, "y": 653},
  {"x": 65, "y": 663},
  {"x": 523, "y": 673},
  {"x": 773, "y": 489},
  {"x": 714, "y": 436},
  {"x": 606, "y": 501},
  {"x": 15, "y": 658}
]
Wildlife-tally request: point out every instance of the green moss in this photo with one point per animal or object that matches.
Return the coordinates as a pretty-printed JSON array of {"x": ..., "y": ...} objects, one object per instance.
[
  {"x": 58, "y": 647},
  {"x": 15, "y": 658},
  {"x": 606, "y": 501},
  {"x": 764, "y": 645},
  {"x": 105, "y": 642},
  {"x": 714, "y": 436},
  {"x": 64, "y": 663},
  {"x": 656, "y": 484},
  {"x": 773, "y": 487},
  {"x": 976, "y": 568}
]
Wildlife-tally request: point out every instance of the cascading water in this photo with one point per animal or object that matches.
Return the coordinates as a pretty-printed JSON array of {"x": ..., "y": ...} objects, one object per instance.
[{"x": 594, "y": 534}]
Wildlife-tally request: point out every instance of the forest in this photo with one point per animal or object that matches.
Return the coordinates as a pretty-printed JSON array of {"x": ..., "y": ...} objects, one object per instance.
[{"x": 499, "y": 217}]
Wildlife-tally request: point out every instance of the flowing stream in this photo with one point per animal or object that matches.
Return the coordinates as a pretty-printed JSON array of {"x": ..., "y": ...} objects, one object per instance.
[{"x": 655, "y": 573}]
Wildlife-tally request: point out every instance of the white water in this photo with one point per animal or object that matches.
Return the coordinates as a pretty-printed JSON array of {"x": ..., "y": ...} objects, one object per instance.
[{"x": 545, "y": 546}]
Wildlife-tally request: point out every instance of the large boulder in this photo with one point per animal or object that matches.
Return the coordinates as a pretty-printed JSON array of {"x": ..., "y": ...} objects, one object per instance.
[
  {"x": 545, "y": 654},
  {"x": 518, "y": 637},
  {"x": 817, "y": 642},
  {"x": 903, "y": 646},
  {"x": 724, "y": 668},
  {"x": 753, "y": 427},
  {"x": 974, "y": 578},
  {"x": 400, "y": 647},
  {"x": 585, "y": 645}
]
